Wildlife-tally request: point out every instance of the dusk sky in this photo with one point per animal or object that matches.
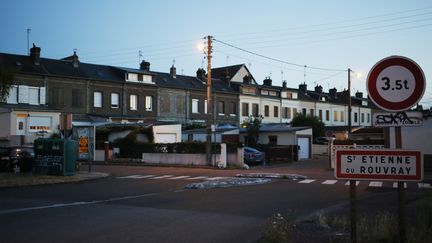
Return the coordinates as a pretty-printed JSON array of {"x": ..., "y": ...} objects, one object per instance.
[{"x": 326, "y": 36}]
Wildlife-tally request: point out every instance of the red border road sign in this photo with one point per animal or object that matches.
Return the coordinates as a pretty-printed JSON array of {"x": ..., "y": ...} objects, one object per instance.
[
  {"x": 391, "y": 165},
  {"x": 398, "y": 62}
]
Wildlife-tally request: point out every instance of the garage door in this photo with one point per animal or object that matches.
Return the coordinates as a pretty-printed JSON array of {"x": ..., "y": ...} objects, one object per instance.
[
  {"x": 165, "y": 138},
  {"x": 304, "y": 148}
]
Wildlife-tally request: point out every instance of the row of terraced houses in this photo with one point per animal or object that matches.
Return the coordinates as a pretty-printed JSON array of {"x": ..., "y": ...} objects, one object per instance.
[{"x": 44, "y": 88}]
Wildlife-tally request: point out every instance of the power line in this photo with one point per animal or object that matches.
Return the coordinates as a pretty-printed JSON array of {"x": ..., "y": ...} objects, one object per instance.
[{"x": 275, "y": 59}]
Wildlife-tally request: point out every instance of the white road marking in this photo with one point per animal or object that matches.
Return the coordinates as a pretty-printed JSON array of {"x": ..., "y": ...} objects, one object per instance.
[
  {"x": 395, "y": 185},
  {"x": 306, "y": 181},
  {"x": 375, "y": 184},
  {"x": 348, "y": 183},
  {"x": 161, "y": 177},
  {"x": 135, "y": 177},
  {"x": 197, "y": 178},
  {"x": 178, "y": 177},
  {"x": 214, "y": 178},
  {"x": 329, "y": 182},
  {"x": 424, "y": 185}
]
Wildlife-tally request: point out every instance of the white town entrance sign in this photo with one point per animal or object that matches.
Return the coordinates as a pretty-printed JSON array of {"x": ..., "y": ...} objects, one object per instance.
[
  {"x": 396, "y": 83},
  {"x": 393, "y": 165}
]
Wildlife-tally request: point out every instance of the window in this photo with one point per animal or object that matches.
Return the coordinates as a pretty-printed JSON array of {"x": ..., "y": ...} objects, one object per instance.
[
  {"x": 276, "y": 111},
  {"x": 149, "y": 103},
  {"x": 57, "y": 97},
  {"x": 76, "y": 98},
  {"x": 233, "y": 107},
  {"x": 133, "y": 102},
  {"x": 132, "y": 77},
  {"x": 97, "y": 99},
  {"x": 264, "y": 92},
  {"x": 342, "y": 117},
  {"x": 288, "y": 112},
  {"x": 368, "y": 117},
  {"x": 33, "y": 95},
  {"x": 180, "y": 105},
  {"x": 327, "y": 115},
  {"x": 221, "y": 107},
  {"x": 320, "y": 115},
  {"x": 195, "y": 105},
  {"x": 311, "y": 112},
  {"x": 115, "y": 100},
  {"x": 304, "y": 111},
  {"x": 147, "y": 79},
  {"x": 205, "y": 106},
  {"x": 255, "y": 110},
  {"x": 335, "y": 116},
  {"x": 355, "y": 117},
  {"x": 294, "y": 111},
  {"x": 362, "y": 117},
  {"x": 272, "y": 140},
  {"x": 13, "y": 95},
  {"x": 20, "y": 125},
  {"x": 285, "y": 112},
  {"x": 266, "y": 111},
  {"x": 245, "y": 109}
]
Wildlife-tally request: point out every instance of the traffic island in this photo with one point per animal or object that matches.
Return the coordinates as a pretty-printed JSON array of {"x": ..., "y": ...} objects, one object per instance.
[{"x": 272, "y": 176}]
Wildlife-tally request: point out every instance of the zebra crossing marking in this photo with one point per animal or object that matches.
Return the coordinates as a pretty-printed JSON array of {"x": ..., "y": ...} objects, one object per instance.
[
  {"x": 330, "y": 182},
  {"x": 395, "y": 185},
  {"x": 161, "y": 177},
  {"x": 348, "y": 183},
  {"x": 375, "y": 184},
  {"x": 135, "y": 177},
  {"x": 424, "y": 185},
  {"x": 197, "y": 178},
  {"x": 306, "y": 181},
  {"x": 178, "y": 177}
]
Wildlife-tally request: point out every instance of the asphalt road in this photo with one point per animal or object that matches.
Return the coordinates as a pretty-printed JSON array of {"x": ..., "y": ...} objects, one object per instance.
[{"x": 118, "y": 209}]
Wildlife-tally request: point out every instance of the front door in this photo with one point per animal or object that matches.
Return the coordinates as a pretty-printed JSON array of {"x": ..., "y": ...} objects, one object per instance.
[
  {"x": 303, "y": 143},
  {"x": 21, "y": 126}
]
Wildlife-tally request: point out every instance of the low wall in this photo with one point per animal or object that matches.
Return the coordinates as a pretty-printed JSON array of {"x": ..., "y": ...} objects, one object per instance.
[
  {"x": 320, "y": 149},
  {"x": 177, "y": 159}
]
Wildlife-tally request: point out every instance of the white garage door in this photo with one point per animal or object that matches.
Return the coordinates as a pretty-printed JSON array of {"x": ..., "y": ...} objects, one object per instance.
[
  {"x": 165, "y": 138},
  {"x": 304, "y": 148}
]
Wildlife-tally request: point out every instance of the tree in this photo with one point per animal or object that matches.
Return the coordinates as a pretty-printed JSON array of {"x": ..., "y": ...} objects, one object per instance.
[
  {"x": 6, "y": 79},
  {"x": 252, "y": 124},
  {"x": 301, "y": 120}
]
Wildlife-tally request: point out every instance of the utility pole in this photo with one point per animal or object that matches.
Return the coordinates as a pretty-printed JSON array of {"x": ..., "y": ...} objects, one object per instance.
[
  {"x": 209, "y": 100},
  {"x": 349, "y": 103},
  {"x": 28, "y": 47}
]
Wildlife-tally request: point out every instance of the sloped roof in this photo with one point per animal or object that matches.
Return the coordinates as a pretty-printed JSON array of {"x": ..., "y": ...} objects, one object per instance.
[{"x": 63, "y": 68}]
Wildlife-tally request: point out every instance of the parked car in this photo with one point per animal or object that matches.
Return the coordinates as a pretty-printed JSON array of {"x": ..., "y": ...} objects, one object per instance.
[
  {"x": 322, "y": 140},
  {"x": 253, "y": 156},
  {"x": 16, "y": 159}
]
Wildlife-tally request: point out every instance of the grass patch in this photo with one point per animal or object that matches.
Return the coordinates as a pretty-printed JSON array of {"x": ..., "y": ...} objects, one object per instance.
[
  {"x": 29, "y": 179},
  {"x": 277, "y": 229}
]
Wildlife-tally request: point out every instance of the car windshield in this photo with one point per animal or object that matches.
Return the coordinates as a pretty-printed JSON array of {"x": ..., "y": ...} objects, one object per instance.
[{"x": 250, "y": 150}]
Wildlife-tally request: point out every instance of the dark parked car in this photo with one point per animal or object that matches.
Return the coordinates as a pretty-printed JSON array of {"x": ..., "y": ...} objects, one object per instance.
[
  {"x": 16, "y": 159},
  {"x": 253, "y": 156},
  {"x": 322, "y": 140}
]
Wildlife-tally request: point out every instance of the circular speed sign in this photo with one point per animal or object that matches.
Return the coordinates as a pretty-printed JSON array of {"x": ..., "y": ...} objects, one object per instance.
[{"x": 396, "y": 83}]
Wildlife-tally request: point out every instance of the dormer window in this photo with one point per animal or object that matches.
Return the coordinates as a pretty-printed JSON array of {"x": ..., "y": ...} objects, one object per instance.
[
  {"x": 364, "y": 103},
  {"x": 323, "y": 98},
  {"x": 132, "y": 77}
]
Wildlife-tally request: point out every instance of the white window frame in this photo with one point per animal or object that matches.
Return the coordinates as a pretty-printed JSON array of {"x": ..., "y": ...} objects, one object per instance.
[
  {"x": 149, "y": 103},
  {"x": 13, "y": 95},
  {"x": 97, "y": 99},
  {"x": 115, "y": 100},
  {"x": 195, "y": 103},
  {"x": 132, "y": 77},
  {"x": 133, "y": 102}
]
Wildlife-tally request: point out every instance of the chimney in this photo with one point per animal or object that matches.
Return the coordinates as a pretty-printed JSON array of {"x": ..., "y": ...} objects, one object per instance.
[
  {"x": 319, "y": 89},
  {"x": 35, "y": 54},
  {"x": 284, "y": 84},
  {"x": 303, "y": 87},
  {"x": 201, "y": 74},
  {"x": 333, "y": 93},
  {"x": 75, "y": 60},
  {"x": 173, "y": 71},
  {"x": 267, "y": 82},
  {"x": 247, "y": 79},
  {"x": 359, "y": 94},
  {"x": 145, "y": 66}
]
